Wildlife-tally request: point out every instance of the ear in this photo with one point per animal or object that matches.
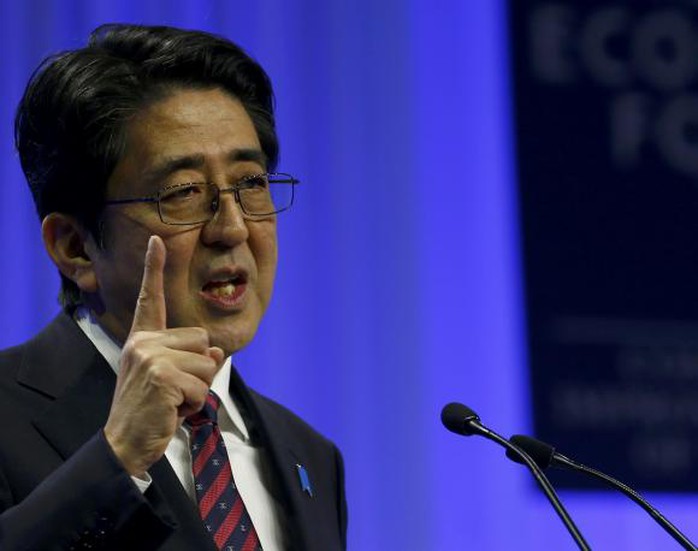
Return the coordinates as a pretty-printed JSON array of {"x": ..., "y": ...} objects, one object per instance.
[{"x": 67, "y": 242}]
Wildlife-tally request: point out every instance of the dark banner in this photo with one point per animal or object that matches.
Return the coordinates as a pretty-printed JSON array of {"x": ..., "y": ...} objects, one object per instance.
[{"x": 607, "y": 134}]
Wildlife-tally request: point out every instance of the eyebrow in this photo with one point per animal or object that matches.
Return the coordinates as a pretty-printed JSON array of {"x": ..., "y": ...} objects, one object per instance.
[{"x": 173, "y": 164}]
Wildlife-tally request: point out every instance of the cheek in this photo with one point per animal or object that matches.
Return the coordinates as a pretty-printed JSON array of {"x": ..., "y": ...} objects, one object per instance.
[
  {"x": 125, "y": 244},
  {"x": 264, "y": 249},
  {"x": 179, "y": 260},
  {"x": 123, "y": 254}
]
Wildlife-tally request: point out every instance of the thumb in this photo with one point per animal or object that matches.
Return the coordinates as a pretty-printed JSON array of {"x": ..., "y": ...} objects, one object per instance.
[
  {"x": 217, "y": 355},
  {"x": 151, "y": 313}
]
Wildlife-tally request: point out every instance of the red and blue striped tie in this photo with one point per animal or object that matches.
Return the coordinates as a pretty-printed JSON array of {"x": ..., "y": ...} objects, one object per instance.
[{"x": 222, "y": 510}]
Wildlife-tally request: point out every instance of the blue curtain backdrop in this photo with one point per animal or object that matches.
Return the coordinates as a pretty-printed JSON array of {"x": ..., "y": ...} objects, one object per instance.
[{"x": 399, "y": 284}]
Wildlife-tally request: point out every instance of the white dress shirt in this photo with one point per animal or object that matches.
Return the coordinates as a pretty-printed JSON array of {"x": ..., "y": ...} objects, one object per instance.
[{"x": 245, "y": 459}]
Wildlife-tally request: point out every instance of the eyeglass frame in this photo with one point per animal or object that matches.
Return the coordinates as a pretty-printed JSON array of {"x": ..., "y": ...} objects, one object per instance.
[{"x": 287, "y": 180}]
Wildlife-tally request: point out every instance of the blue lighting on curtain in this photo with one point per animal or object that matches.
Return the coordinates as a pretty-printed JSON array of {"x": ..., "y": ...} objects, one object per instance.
[{"x": 399, "y": 286}]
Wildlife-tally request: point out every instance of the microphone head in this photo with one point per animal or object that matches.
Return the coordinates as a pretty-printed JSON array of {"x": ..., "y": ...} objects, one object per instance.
[
  {"x": 457, "y": 418},
  {"x": 540, "y": 452}
]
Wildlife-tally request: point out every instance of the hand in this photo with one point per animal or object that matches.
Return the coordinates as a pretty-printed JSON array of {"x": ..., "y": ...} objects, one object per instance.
[{"x": 164, "y": 374}]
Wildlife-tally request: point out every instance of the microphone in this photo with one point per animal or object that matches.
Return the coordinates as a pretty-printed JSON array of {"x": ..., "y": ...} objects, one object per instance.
[
  {"x": 545, "y": 456},
  {"x": 462, "y": 420}
]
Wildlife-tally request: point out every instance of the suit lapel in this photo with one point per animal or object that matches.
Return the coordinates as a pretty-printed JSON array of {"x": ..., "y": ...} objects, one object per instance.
[
  {"x": 285, "y": 456},
  {"x": 63, "y": 364},
  {"x": 266, "y": 431},
  {"x": 191, "y": 533}
]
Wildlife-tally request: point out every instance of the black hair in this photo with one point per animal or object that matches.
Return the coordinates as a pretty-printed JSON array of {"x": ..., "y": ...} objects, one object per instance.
[{"x": 70, "y": 123}]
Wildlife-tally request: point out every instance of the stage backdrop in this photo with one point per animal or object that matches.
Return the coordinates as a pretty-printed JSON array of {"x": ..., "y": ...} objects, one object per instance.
[
  {"x": 607, "y": 112},
  {"x": 399, "y": 285}
]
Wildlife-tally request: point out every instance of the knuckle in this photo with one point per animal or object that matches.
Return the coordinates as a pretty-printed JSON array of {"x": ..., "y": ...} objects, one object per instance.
[
  {"x": 143, "y": 299},
  {"x": 213, "y": 366},
  {"x": 199, "y": 399},
  {"x": 202, "y": 391},
  {"x": 138, "y": 347},
  {"x": 133, "y": 350},
  {"x": 159, "y": 374},
  {"x": 195, "y": 395},
  {"x": 201, "y": 335},
  {"x": 208, "y": 374},
  {"x": 148, "y": 298},
  {"x": 135, "y": 341}
]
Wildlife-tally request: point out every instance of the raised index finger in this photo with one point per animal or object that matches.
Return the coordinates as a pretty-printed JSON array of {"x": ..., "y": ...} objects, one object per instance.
[{"x": 151, "y": 313}]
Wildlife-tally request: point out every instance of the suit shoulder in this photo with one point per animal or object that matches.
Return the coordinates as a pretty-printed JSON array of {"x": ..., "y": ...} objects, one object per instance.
[
  {"x": 10, "y": 360},
  {"x": 48, "y": 361},
  {"x": 284, "y": 417}
]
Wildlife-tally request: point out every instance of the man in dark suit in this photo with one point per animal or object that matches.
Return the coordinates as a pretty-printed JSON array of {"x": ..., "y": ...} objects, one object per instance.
[{"x": 150, "y": 154}]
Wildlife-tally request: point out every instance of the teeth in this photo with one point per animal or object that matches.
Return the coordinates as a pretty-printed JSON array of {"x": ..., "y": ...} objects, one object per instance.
[{"x": 225, "y": 290}]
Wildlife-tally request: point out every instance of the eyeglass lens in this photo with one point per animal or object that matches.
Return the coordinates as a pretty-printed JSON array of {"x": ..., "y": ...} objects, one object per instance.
[{"x": 261, "y": 195}]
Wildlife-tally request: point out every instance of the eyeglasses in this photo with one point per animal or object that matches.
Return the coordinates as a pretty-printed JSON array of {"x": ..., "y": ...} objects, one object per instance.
[{"x": 259, "y": 196}]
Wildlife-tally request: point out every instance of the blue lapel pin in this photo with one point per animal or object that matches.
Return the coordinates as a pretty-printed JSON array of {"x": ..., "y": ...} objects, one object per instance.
[{"x": 304, "y": 480}]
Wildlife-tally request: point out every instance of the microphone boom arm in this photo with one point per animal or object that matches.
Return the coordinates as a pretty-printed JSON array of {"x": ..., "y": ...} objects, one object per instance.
[
  {"x": 542, "y": 481},
  {"x": 544, "y": 455},
  {"x": 561, "y": 461}
]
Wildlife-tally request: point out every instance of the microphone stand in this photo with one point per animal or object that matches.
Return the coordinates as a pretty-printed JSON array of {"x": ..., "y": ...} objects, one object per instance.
[
  {"x": 541, "y": 479},
  {"x": 462, "y": 420},
  {"x": 544, "y": 455},
  {"x": 561, "y": 461}
]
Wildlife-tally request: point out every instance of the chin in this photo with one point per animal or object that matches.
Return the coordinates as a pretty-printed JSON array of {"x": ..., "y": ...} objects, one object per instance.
[
  {"x": 233, "y": 332},
  {"x": 233, "y": 341}
]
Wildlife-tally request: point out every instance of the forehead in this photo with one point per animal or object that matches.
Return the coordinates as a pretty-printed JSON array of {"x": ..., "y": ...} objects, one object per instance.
[{"x": 207, "y": 130}]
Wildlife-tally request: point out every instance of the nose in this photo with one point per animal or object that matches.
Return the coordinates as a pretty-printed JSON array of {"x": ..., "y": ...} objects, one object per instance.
[{"x": 227, "y": 227}]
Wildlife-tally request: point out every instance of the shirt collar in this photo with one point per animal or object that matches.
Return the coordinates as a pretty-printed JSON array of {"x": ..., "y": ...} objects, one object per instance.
[{"x": 111, "y": 352}]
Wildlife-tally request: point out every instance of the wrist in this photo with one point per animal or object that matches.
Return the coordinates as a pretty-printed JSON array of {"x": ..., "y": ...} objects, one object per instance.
[{"x": 131, "y": 463}]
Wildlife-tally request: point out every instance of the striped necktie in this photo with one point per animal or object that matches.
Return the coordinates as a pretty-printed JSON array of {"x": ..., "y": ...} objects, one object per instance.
[{"x": 222, "y": 510}]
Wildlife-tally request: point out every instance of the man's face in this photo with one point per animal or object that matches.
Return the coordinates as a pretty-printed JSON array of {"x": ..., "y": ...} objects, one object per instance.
[{"x": 218, "y": 275}]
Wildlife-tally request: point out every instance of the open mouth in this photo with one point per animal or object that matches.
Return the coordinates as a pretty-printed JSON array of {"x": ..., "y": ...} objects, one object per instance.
[{"x": 226, "y": 289}]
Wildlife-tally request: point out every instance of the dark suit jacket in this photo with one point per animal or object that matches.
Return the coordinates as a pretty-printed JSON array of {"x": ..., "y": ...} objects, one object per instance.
[{"x": 61, "y": 487}]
